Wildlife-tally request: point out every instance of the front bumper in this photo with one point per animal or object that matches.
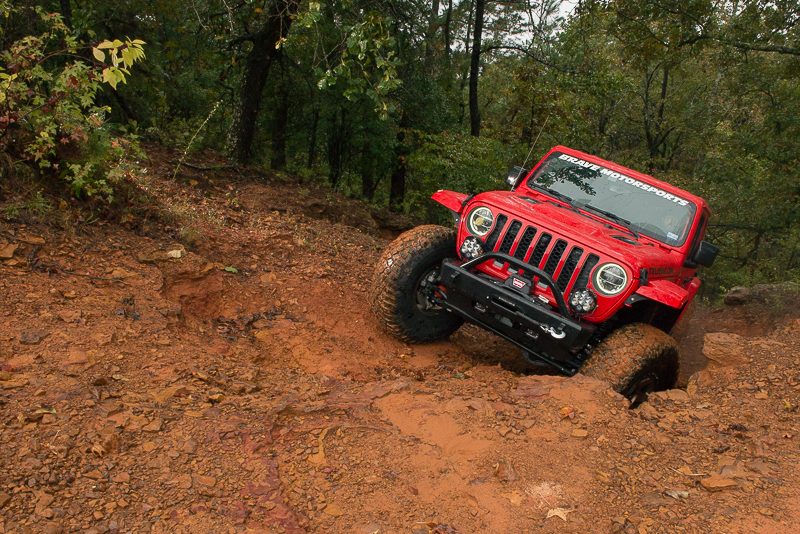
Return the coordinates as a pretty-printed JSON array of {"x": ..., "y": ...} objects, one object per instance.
[{"x": 550, "y": 336}]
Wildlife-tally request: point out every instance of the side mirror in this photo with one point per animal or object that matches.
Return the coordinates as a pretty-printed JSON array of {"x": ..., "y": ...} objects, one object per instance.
[
  {"x": 515, "y": 175},
  {"x": 705, "y": 254}
]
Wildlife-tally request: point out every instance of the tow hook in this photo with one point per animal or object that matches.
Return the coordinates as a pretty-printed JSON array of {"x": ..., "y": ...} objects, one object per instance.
[{"x": 557, "y": 334}]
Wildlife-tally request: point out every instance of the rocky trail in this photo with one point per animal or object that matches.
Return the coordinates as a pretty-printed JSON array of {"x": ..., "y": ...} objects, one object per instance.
[{"x": 238, "y": 383}]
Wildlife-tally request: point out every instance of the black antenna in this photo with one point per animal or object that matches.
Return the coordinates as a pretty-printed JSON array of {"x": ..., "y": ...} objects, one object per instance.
[{"x": 535, "y": 141}]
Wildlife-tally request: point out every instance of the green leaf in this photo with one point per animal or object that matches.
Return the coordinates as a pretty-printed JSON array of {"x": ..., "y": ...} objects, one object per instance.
[{"x": 231, "y": 270}]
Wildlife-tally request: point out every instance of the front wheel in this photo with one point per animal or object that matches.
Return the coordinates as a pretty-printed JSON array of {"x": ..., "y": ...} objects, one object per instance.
[
  {"x": 636, "y": 359},
  {"x": 406, "y": 273}
]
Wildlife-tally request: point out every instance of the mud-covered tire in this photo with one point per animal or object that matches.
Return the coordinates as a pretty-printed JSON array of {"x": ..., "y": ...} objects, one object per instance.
[
  {"x": 396, "y": 281},
  {"x": 634, "y": 355}
]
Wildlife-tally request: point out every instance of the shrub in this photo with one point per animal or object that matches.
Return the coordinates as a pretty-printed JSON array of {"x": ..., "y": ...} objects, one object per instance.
[{"x": 48, "y": 115}]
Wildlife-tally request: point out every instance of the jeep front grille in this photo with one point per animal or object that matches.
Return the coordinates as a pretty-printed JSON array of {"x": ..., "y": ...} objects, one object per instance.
[
  {"x": 525, "y": 243},
  {"x": 491, "y": 239},
  {"x": 555, "y": 257},
  {"x": 583, "y": 278},
  {"x": 570, "y": 264},
  {"x": 511, "y": 235},
  {"x": 539, "y": 249},
  {"x": 545, "y": 252}
]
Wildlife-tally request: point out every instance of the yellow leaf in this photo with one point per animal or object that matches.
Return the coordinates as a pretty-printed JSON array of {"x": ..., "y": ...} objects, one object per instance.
[
  {"x": 99, "y": 55},
  {"x": 109, "y": 78}
]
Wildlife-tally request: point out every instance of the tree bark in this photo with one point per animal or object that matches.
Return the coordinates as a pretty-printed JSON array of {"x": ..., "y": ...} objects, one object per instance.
[
  {"x": 447, "y": 30},
  {"x": 66, "y": 12},
  {"x": 475, "y": 65},
  {"x": 397, "y": 186},
  {"x": 367, "y": 177},
  {"x": 336, "y": 144},
  {"x": 280, "y": 124},
  {"x": 257, "y": 66},
  {"x": 465, "y": 73},
  {"x": 433, "y": 25},
  {"x": 312, "y": 143}
]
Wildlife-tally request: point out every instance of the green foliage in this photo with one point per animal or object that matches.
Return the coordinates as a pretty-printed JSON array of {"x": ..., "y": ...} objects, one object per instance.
[
  {"x": 462, "y": 163},
  {"x": 367, "y": 62},
  {"x": 126, "y": 53},
  {"x": 48, "y": 114}
]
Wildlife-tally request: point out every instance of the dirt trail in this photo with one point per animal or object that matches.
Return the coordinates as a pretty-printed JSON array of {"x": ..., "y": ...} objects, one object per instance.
[{"x": 243, "y": 386}]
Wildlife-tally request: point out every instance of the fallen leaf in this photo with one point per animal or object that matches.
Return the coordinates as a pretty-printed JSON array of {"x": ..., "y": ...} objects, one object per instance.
[
  {"x": 560, "y": 512},
  {"x": 568, "y": 412},
  {"x": 515, "y": 497}
]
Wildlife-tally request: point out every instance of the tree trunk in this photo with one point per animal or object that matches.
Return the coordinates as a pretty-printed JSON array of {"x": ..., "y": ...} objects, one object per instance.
[
  {"x": 447, "y": 30},
  {"x": 336, "y": 150},
  {"x": 312, "y": 143},
  {"x": 66, "y": 12},
  {"x": 256, "y": 70},
  {"x": 465, "y": 74},
  {"x": 367, "y": 177},
  {"x": 433, "y": 25},
  {"x": 475, "y": 65},
  {"x": 280, "y": 124},
  {"x": 397, "y": 187}
]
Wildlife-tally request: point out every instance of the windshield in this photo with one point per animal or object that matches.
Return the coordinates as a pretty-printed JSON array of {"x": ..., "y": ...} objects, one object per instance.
[{"x": 655, "y": 213}]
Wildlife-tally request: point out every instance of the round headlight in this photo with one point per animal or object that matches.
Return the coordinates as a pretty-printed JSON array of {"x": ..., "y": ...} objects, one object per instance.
[
  {"x": 480, "y": 221},
  {"x": 610, "y": 279}
]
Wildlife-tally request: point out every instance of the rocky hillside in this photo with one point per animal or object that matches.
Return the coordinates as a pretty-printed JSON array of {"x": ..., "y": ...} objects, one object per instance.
[{"x": 219, "y": 371}]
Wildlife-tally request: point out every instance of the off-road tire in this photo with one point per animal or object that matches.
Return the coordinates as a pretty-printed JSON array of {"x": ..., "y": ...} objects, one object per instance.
[
  {"x": 396, "y": 281},
  {"x": 632, "y": 354}
]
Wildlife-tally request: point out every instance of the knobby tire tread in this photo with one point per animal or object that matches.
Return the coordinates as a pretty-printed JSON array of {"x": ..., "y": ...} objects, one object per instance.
[
  {"x": 632, "y": 352},
  {"x": 392, "y": 293}
]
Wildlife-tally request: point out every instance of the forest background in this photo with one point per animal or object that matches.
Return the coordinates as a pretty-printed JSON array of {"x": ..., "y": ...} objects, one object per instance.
[{"x": 389, "y": 101}]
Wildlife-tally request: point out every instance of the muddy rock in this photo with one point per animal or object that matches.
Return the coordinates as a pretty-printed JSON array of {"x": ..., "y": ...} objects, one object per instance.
[
  {"x": 718, "y": 483},
  {"x": 32, "y": 337},
  {"x": 724, "y": 349}
]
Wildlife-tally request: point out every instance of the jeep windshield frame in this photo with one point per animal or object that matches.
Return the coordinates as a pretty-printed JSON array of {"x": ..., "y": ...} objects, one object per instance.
[{"x": 662, "y": 216}]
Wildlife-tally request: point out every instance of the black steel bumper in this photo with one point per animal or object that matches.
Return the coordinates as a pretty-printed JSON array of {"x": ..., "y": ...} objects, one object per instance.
[{"x": 553, "y": 337}]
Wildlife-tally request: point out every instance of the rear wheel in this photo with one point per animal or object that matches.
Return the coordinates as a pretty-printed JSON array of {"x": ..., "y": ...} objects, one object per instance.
[
  {"x": 636, "y": 359},
  {"x": 406, "y": 272}
]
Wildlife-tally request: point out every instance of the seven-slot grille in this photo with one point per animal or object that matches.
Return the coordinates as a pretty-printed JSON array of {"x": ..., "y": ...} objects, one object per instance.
[{"x": 556, "y": 256}]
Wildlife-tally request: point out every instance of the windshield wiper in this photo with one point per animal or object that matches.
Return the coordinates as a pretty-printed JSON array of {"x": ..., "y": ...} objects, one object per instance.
[
  {"x": 613, "y": 216},
  {"x": 555, "y": 194}
]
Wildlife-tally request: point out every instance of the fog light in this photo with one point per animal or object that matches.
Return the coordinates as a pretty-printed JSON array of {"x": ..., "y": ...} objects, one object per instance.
[
  {"x": 583, "y": 301},
  {"x": 471, "y": 248}
]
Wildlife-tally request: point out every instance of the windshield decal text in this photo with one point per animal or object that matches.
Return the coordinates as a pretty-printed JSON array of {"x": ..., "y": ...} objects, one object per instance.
[{"x": 627, "y": 179}]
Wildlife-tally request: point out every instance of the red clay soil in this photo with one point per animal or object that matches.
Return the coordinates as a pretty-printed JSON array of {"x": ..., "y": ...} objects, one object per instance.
[{"x": 241, "y": 384}]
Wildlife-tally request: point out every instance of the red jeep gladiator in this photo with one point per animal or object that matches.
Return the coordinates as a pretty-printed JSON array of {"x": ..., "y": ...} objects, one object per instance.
[{"x": 585, "y": 265}]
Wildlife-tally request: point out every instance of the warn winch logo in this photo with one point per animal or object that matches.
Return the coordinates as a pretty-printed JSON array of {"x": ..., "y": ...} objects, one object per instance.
[{"x": 519, "y": 284}]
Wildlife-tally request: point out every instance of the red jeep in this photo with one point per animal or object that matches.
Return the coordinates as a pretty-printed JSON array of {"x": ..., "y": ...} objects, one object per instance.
[{"x": 585, "y": 265}]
